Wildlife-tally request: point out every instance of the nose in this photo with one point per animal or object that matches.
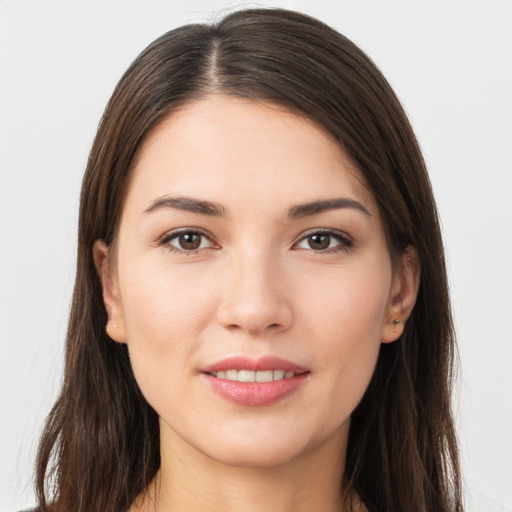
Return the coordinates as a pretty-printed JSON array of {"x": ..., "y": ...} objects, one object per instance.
[{"x": 255, "y": 296}]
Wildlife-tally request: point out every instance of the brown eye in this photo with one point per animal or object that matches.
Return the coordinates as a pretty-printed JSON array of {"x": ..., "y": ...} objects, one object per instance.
[
  {"x": 325, "y": 241},
  {"x": 319, "y": 242},
  {"x": 189, "y": 241}
]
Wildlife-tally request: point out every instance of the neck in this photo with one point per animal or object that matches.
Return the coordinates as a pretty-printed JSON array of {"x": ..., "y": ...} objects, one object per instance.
[{"x": 189, "y": 480}]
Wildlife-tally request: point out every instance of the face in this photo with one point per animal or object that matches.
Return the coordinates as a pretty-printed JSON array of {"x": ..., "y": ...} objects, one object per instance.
[{"x": 252, "y": 282}]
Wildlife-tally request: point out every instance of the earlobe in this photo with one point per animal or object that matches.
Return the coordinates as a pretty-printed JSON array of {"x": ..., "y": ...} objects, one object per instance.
[
  {"x": 111, "y": 299},
  {"x": 403, "y": 295}
]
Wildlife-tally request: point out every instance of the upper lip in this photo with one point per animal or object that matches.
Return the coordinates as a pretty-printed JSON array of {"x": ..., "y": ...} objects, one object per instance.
[{"x": 256, "y": 365}]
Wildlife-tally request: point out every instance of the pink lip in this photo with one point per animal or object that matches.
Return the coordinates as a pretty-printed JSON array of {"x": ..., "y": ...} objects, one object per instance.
[
  {"x": 256, "y": 365},
  {"x": 254, "y": 394}
]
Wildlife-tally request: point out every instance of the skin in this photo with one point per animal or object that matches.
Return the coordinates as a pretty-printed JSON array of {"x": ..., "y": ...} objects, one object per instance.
[{"x": 254, "y": 287}]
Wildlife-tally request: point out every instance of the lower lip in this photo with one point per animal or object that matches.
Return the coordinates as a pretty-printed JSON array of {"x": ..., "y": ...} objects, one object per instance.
[{"x": 255, "y": 394}]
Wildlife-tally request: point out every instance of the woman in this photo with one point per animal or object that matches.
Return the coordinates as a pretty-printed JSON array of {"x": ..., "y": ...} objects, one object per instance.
[{"x": 248, "y": 326}]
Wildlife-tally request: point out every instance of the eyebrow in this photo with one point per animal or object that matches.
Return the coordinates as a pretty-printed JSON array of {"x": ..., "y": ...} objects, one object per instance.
[
  {"x": 315, "y": 207},
  {"x": 188, "y": 204},
  {"x": 193, "y": 205}
]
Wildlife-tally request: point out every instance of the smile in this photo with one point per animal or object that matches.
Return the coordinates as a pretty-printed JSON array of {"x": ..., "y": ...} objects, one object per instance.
[
  {"x": 255, "y": 382},
  {"x": 253, "y": 376}
]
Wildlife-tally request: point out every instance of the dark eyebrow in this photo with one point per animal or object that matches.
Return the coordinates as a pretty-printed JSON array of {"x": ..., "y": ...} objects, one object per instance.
[
  {"x": 188, "y": 204},
  {"x": 303, "y": 210}
]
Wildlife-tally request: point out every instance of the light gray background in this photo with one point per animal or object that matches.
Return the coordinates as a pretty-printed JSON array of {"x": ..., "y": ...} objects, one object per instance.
[{"x": 450, "y": 63}]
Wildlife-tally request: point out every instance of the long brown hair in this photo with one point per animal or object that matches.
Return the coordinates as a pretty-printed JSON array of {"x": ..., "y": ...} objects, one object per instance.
[{"x": 100, "y": 446}]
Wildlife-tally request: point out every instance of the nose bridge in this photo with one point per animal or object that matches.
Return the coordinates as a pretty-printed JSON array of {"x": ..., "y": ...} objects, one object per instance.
[{"x": 254, "y": 298}]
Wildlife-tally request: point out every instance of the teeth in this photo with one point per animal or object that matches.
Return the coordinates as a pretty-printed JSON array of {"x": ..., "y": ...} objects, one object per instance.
[
  {"x": 250, "y": 376},
  {"x": 265, "y": 376},
  {"x": 231, "y": 375},
  {"x": 246, "y": 376}
]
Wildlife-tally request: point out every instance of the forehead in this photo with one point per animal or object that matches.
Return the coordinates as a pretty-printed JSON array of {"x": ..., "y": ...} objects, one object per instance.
[{"x": 230, "y": 149}]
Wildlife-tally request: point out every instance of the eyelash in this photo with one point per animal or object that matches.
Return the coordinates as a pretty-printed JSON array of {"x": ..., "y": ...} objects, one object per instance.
[
  {"x": 345, "y": 243},
  {"x": 166, "y": 239}
]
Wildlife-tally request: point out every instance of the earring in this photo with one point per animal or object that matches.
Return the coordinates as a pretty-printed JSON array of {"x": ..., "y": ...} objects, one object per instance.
[
  {"x": 396, "y": 321},
  {"x": 115, "y": 326}
]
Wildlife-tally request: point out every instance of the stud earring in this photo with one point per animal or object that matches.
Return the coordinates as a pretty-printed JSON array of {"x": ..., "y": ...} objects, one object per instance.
[
  {"x": 396, "y": 321},
  {"x": 115, "y": 326}
]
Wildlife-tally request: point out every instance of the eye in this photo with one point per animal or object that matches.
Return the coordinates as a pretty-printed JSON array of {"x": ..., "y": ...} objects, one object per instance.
[
  {"x": 325, "y": 241},
  {"x": 187, "y": 241}
]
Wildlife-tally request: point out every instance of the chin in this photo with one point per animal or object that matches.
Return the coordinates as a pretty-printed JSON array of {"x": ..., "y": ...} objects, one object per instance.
[
  {"x": 264, "y": 446},
  {"x": 258, "y": 456}
]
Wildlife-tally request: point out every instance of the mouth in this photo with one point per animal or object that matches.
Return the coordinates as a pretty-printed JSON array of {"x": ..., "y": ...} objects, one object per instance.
[
  {"x": 255, "y": 376},
  {"x": 255, "y": 382}
]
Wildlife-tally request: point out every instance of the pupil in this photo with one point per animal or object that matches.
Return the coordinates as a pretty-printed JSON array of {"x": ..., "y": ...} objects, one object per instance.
[
  {"x": 190, "y": 241},
  {"x": 319, "y": 242}
]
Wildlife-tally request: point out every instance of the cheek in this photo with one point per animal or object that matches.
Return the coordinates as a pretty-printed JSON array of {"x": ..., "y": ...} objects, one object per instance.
[
  {"x": 164, "y": 313},
  {"x": 345, "y": 315},
  {"x": 158, "y": 297},
  {"x": 347, "y": 306}
]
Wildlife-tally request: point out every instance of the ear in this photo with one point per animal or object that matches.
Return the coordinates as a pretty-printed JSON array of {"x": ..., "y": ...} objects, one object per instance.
[
  {"x": 111, "y": 299},
  {"x": 404, "y": 291}
]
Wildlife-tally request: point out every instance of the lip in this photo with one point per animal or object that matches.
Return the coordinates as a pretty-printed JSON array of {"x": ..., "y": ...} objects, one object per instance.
[
  {"x": 254, "y": 394},
  {"x": 256, "y": 365}
]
